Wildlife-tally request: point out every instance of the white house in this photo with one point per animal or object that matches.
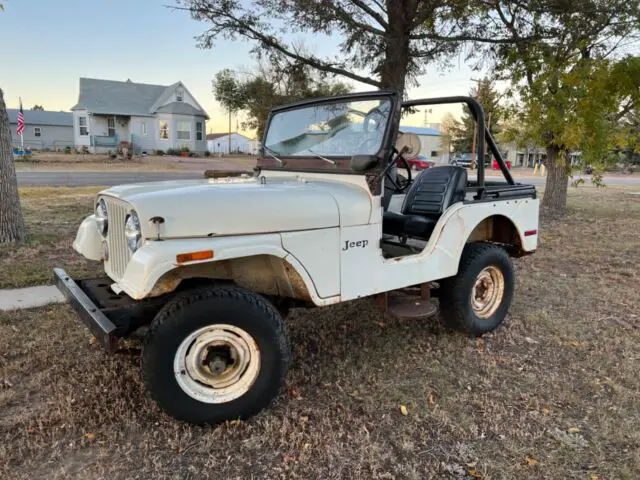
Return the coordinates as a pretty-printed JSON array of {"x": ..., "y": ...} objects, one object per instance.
[
  {"x": 219, "y": 143},
  {"x": 150, "y": 117},
  {"x": 42, "y": 130},
  {"x": 430, "y": 143}
]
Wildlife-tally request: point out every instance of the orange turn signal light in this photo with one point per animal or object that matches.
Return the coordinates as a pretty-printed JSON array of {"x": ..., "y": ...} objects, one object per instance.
[{"x": 194, "y": 256}]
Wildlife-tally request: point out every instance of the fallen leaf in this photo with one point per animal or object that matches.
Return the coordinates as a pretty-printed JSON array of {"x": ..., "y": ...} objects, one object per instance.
[
  {"x": 546, "y": 411},
  {"x": 90, "y": 436},
  {"x": 431, "y": 399},
  {"x": 474, "y": 473},
  {"x": 532, "y": 461},
  {"x": 403, "y": 410},
  {"x": 93, "y": 340},
  {"x": 573, "y": 430},
  {"x": 593, "y": 476}
]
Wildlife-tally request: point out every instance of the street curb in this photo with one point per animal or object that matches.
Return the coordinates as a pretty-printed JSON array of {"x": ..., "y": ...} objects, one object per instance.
[{"x": 30, "y": 297}]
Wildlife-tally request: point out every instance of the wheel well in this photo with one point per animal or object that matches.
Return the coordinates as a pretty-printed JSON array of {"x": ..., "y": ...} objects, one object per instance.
[
  {"x": 265, "y": 274},
  {"x": 498, "y": 229}
]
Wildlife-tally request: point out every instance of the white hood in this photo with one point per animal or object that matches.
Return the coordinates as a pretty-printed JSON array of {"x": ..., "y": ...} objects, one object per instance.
[{"x": 200, "y": 208}]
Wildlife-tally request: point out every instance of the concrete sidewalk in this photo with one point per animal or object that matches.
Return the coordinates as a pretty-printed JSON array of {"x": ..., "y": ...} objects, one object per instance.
[{"x": 30, "y": 297}]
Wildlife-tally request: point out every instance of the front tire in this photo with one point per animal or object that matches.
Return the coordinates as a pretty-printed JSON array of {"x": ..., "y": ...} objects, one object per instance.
[
  {"x": 214, "y": 354},
  {"x": 477, "y": 299}
]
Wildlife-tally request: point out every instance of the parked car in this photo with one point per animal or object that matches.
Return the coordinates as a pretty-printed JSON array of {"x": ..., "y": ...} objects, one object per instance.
[
  {"x": 495, "y": 166},
  {"x": 207, "y": 270},
  {"x": 419, "y": 162}
]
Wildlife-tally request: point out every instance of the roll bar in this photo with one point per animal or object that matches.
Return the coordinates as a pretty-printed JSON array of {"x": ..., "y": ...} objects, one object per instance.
[{"x": 483, "y": 134}]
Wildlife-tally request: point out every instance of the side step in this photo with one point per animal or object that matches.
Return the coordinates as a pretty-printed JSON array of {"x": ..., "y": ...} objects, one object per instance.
[{"x": 407, "y": 304}]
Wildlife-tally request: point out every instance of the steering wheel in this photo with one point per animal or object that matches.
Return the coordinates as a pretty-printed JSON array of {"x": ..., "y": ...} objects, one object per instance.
[{"x": 399, "y": 185}]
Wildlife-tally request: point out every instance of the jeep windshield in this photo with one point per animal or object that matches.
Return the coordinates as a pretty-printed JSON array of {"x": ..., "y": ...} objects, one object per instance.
[{"x": 320, "y": 135}]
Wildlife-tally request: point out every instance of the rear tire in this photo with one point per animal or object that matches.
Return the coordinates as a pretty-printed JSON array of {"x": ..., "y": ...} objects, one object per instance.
[
  {"x": 477, "y": 299},
  {"x": 215, "y": 353}
]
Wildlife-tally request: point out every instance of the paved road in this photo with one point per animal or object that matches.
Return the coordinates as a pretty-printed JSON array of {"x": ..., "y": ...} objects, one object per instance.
[{"x": 78, "y": 179}]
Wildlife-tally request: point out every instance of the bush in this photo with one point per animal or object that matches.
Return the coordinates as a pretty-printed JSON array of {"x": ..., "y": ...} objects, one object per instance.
[
  {"x": 184, "y": 149},
  {"x": 207, "y": 153},
  {"x": 173, "y": 151},
  {"x": 160, "y": 153},
  {"x": 67, "y": 150}
]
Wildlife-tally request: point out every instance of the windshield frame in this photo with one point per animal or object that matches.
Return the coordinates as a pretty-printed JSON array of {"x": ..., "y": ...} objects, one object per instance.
[{"x": 312, "y": 163}]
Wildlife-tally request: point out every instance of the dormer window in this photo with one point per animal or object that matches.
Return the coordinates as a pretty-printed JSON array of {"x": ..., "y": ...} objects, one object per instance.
[{"x": 179, "y": 95}]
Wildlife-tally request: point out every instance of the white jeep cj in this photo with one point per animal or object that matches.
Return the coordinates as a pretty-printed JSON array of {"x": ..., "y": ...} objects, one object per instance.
[{"x": 207, "y": 269}]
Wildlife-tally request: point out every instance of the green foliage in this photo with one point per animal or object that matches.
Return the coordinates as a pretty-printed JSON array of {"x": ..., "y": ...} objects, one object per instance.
[
  {"x": 159, "y": 153},
  {"x": 38, "y": 107},
  {"x": 207, "y": 153},
  {"x": 486, "y": 93},
  {"x": 280, "y": 83},
  {"x": 67, "y": 150}
]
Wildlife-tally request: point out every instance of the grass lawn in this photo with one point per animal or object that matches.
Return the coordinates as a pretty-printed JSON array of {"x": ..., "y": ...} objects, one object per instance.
[
  {"x": 554, "y": 393},
  {"x": 52, "y": 216}
]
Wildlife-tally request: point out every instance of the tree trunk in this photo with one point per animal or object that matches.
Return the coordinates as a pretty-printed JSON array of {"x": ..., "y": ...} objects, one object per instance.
[
  {"x": 554, "y": 200},
  {"x": 11, "y": 221}
]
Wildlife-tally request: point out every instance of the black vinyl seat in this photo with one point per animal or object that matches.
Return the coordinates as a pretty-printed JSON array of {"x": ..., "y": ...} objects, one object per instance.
[{"x": 431, "y": 193}]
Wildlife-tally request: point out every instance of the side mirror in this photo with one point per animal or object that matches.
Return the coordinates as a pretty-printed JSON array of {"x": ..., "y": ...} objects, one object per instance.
[{"x": 362, "y": 163}]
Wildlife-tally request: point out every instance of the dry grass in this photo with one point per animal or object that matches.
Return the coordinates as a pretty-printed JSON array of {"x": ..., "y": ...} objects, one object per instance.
[
  {"x": 552, "y": 394},
  {"x": 52, "y": 216},
  {"x": 46, "y": 162}
]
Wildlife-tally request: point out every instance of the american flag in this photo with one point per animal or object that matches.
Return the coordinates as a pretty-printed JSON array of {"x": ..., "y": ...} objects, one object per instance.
[{"x": 20, "y": 129}]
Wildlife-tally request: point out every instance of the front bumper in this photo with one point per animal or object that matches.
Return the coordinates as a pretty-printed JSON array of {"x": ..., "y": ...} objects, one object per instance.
[{"x": 90, "y": 314}]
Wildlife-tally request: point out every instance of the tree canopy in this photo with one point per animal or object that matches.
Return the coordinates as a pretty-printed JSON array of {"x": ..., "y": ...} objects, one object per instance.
[
  {"x": 383, "y": 44},
  {"x": 281, "y": 82},
  {"x": 38, "y": 107},
  {"x": 573, "y": 81}
]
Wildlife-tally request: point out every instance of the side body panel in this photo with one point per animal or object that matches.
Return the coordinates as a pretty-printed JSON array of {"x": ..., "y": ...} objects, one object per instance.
[{"x": 364, "y": 272}]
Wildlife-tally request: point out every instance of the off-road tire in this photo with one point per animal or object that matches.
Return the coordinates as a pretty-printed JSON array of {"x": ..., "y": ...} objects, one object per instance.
[
  {"x": 455, "y": 293},
  {"x": 209, "y": 305}
]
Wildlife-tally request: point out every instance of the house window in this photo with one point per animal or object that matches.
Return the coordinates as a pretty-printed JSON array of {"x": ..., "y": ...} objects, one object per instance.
[
  {"x": 164, "y": 129},
  {"x": 184, "y": 130},
  {"x": 198, "y": 131},
  {"x": 84, "y": 131},
  {"x": 434, "y": 153},
  {"x": 111, "y": 126},
  {"x": 143, "y": 129},
  {"x": 37, "y": 132},
  {"x": 179, "y": 95}
]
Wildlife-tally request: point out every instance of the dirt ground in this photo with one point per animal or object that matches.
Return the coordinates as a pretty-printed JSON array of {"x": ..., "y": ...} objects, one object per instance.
[{"x": 554, "y": 393}]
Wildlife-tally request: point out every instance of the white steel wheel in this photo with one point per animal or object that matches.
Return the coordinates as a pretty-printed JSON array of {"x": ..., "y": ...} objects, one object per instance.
[
  {"x": 217, "y": 363},
  {"x": 488, "y": 292}
]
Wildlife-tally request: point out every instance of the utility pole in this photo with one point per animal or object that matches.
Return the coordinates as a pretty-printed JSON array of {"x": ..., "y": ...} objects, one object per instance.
[{"x": 229, "y": 131}]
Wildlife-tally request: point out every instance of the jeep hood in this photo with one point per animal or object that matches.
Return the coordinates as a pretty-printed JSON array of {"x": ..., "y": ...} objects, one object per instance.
[{"x": 199, "y": 208}]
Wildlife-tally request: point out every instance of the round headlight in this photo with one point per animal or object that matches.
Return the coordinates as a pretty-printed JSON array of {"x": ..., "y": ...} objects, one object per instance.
[
  {"x": 132, "y": 231},
  {"x": 101, "y": 217}
]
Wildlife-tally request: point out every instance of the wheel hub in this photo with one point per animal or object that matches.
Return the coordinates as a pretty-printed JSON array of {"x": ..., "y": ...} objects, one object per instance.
[
  {"x": 488, "y": 292},
  {"x": 217, "y": 364}
]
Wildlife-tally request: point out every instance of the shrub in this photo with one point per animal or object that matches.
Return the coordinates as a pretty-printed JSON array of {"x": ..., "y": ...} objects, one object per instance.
[
  {"x": 173, "y": 151},
  {"x": 207, "y": 153},
  {"x": 184, "y": 149},
  {"x": 160, "y": 153},
  {"x": 67, "y": 150}
]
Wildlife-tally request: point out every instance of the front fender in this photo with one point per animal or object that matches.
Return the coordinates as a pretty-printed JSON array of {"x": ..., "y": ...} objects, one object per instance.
[
  {"x": 88, "y": 240},
  {"x": 154, "y": 270}
]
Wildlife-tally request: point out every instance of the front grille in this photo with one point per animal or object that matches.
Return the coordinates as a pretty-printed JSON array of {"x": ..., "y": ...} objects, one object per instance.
[{"x": 119, "y": 253}]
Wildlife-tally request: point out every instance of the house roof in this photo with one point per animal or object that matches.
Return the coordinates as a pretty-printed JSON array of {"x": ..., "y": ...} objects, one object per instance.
[
  {"x": 110, "y": 97},
  {"x": 213, "y": 136},
  {"x": 39, "y": 117},
  {"x": 420, "y": 130},
  {"x": 180, "y": 108}
]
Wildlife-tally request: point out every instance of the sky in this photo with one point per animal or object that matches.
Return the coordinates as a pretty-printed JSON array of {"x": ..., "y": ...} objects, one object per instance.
[{"x": 48, "y": 45}]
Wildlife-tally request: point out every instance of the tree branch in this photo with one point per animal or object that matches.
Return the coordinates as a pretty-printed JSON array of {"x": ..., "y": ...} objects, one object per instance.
[
  {"x": 244, "y": 28},
  {"x": 375, "y": 15}
]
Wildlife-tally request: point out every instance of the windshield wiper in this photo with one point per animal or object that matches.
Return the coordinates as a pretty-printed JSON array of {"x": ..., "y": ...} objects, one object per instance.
[
  {"x": 332, "y": 162},
  {"x": 272, "y": 154}
]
